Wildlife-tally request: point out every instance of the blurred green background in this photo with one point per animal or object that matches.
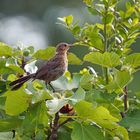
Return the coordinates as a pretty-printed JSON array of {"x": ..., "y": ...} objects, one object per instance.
[{"x": 34, "y": 22}]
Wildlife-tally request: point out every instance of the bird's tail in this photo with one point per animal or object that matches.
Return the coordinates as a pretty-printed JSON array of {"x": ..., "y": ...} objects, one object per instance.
[{"x": 19, "y": 82}]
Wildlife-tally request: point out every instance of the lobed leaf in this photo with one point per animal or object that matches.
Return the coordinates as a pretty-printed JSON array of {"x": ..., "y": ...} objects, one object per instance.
[
  {"x": 99, "y": 115},
  {"x": 86, "y": 132},
  {"x": 107, "y": 59},
  {"x": 45, "y": 54},
  {"x": 132, "y": 121}
]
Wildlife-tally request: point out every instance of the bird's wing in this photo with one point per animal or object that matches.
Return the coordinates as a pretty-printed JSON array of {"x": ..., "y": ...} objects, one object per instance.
[{"x": 45, "y": 69}]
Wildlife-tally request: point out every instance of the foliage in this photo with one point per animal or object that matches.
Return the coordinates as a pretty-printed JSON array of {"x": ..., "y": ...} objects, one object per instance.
[{"x": 87, "y": 105}]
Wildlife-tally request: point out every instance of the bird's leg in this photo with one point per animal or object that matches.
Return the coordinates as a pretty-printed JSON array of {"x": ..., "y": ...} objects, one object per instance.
[{"x": 51, "y": 87}]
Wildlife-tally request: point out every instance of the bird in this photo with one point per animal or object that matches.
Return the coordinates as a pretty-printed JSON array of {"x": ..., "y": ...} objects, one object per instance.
[{"x": 50, "y": 71}]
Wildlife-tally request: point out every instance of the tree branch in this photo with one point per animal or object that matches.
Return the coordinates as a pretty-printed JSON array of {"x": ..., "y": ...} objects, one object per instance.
[
  {"x": 125, "y": 98},
  {"x": 54, "y": 128}
]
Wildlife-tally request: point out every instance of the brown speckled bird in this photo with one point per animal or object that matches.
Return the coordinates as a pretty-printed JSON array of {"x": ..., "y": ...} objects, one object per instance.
[{"x": 53, "y": 69}]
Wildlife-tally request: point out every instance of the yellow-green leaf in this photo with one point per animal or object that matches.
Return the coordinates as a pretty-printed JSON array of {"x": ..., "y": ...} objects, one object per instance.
[
  {"x": 45, "y": 54},
  {"x": 100, "y": 114},
  {"x": 133, "y": 60},
  {"x": 107, "y": 59},
  {"x": 121, "y": 79},
  {"x": 73, "y": 59},
  {"x": 67, "y": 19},
  {"x": 5, "y": 50},
  {"x": 16, "y": 102}
]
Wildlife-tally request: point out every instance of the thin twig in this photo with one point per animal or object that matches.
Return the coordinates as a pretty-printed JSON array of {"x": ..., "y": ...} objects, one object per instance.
[
  {"x": 67, "y": 120},
  {"x": 106, "y": 44},
  {"x": 122, "y": 114},
  {"x": 125, "y": 98}
]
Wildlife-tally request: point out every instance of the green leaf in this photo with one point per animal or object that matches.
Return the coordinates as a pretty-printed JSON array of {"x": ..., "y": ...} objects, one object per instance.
[
  {"x": 86, "y": 132},
  {"x": 73, "y": 59},
  {"x": 16, "y": 102},
  {"x": 31, "y": 48},
  {"x": 92, "y": 11},
  {"x": 122, "y": 133},
  {"x": 76, "y": 30},
  {"x": 64, "y": 133},
  {"x": 5, "y": 50},
  {"x": 2, "y": 62},
  {"x": 68, "y": 20},
  {"x": 11, "y": 77},
  {"x": 108, "y": 18},
  {"x": 2, "y": 103},
  {"x": 9, "y": 124},
  {"x": 88, "y": 2},
  {"x": 38, "y": 88},
  {"x": 91, "y": 32},
  {"x": 16, "y": 69},
  {"x": 100, "y": 97},
  {"x": 6, "y": 70},
  {"x": 128, "y": 5},
  {"x": 45, "y": 54},
  {"x": 107, "y": 59},
  {"x": 40, "y": 135},
  {"x": 41, "y": 95},
  {"x": 121, "y": 79},
  {"x": 2, "y": 86},
  {"x": 79, "y": 95},
  {"x": 99, "y": 115},
  {"x": 129, "y": 11},
  {"x": 62, "y": 83},
  {"x": 36, "y": 117},
  {"x": 132, "y": 121},
  {"x": 133, "y": 60},
  {"x": 85, "y": 81},
  {"x": 96, "y": 41},
  {"x": 134, "y": 135}
]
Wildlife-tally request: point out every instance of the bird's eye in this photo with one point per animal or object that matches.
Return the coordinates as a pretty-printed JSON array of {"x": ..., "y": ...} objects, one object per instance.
[{"x": 65, "y": 45}]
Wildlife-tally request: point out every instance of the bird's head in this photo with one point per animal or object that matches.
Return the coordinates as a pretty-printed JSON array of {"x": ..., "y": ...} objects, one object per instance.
[{"x": 63, "y": 47}]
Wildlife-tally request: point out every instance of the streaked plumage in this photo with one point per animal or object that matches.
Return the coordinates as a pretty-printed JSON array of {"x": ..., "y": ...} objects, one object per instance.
[{"x": 51, "y": 70}]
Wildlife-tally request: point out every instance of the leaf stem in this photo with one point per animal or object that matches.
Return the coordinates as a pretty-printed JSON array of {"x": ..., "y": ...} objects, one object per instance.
[
  {"x": 62, "y": 116},
  {"x": 106, "y": 44}
]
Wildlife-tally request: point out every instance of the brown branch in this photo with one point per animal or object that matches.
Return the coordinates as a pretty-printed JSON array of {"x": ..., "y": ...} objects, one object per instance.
[
  {"x": 122, "y": 114},
  {"x": 125, "y": 98},
  {"x": 53, "y": 135},
  {"x": 55, "y": 126}
]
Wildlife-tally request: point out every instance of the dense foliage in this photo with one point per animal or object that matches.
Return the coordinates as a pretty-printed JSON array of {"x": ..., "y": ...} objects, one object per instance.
[{"x": 87, "y": 105}]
